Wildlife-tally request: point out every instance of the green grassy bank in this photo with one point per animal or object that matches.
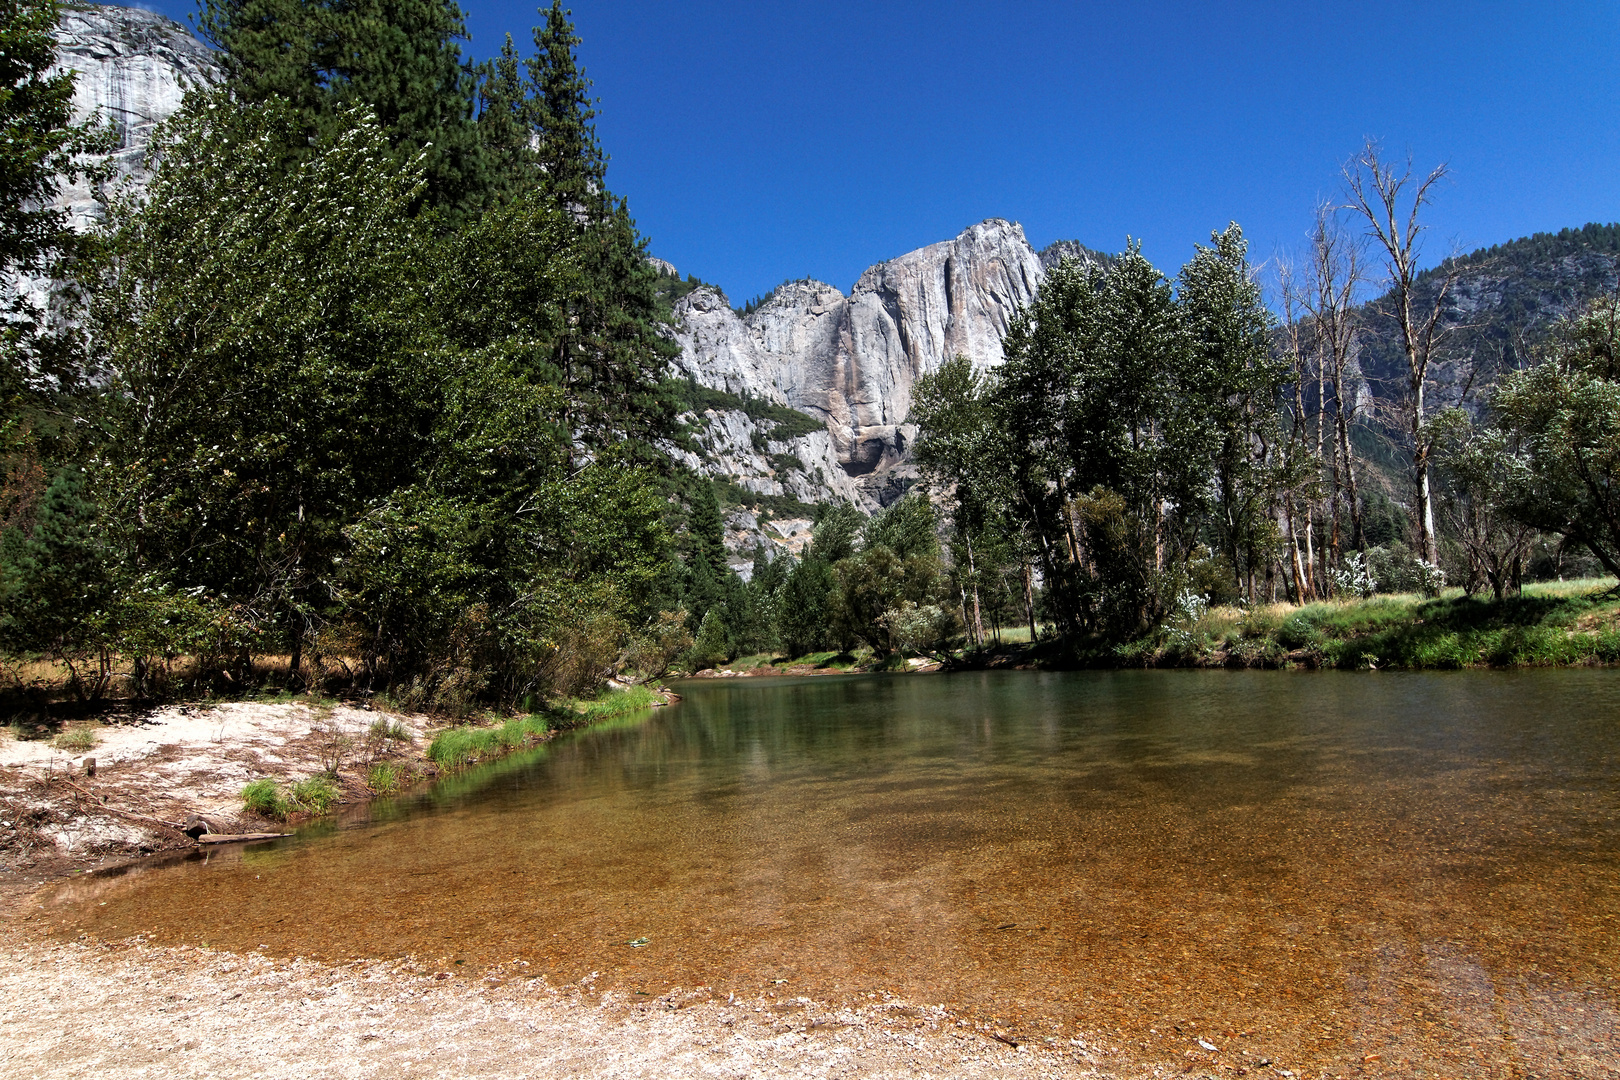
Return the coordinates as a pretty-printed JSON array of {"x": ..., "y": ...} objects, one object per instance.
[
  {"x": 468, "y": 743},
  {"x": 1550, "y": 624}
]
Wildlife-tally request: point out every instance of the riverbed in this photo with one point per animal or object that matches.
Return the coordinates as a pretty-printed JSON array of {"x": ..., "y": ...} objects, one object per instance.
[{"x": 1401, "y": 874}]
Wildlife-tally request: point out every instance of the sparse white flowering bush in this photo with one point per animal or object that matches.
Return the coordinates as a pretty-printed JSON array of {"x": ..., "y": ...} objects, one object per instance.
[
  {"x": 1355, "y": 577},
  {"x": 1181, "y": 633},
  {"x": 1430, "y": 578}
]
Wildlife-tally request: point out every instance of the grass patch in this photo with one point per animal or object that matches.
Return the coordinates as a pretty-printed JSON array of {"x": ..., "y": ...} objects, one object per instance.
[
  {"x": 263, "y": 797},
  {"x": 1549, "y": 624},
  {"x": 385, "y": 777},
  {"x": 315, "y": 795},
  {"x": 614, "y": 703},
  {"x": 77, "y": 740},
  {"x": 457, "y": 746}
]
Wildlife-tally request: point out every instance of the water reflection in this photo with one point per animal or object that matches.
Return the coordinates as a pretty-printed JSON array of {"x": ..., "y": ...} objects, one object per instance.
[{"x": 1240, "y": 852}]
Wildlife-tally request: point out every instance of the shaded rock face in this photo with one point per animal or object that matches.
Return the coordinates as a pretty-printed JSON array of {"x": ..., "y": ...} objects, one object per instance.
[
  {"x": 852, "y": 361},
  {"x": 134, "y": 68}
]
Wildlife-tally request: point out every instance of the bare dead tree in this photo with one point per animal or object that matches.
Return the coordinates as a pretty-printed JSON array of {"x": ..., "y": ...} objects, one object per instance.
[
  {"x": 1336, "y": 277},
  {"x": 1391, "y": 200},
  {"x": 1302, "y": 460}
]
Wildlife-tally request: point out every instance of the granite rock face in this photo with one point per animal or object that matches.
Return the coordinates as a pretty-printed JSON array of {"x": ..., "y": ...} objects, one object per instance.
[
  {"x": 134, "y": 68},
  {"x": 852, "y": 361}
]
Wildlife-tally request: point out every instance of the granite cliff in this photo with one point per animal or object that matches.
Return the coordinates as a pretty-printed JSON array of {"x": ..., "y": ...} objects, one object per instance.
[
  {"x": 133, "y": 68},
  {"x": 851, "y": 361}
]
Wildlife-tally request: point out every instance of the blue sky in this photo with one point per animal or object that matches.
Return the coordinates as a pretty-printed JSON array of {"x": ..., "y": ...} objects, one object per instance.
[{"x": 761, "y": 142}]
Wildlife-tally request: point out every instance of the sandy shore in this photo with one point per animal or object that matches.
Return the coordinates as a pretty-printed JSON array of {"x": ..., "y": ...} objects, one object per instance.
[
  {"x": 148, "y": 776},
  {"x": 83, "y": 1008}
]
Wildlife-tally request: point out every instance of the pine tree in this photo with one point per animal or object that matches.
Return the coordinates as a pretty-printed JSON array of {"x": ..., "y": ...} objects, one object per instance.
[
  {"x": 614, "y": 358},
  {"x": 399, "y": 58},
  {"x": 53, "y": 581},
  {"x": 506, "y": 122},
  {"x": 568, "y": 153}
]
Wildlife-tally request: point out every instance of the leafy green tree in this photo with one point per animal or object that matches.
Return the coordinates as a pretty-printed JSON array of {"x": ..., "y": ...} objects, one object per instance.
[
  {"x": 1236, "y": 383},
  {"x": 1495, "y": 547},
  {"x": 961, "y": 450},
  {"x": 878, "y": 589},
  {"x": 1563, "y": 415},
  {"x": 264, "y": 322},
  {"x": 1109, "y": 444}
]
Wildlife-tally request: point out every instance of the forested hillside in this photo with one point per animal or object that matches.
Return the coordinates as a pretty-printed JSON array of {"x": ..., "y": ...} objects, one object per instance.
[{"x": 1503, "y": 301}]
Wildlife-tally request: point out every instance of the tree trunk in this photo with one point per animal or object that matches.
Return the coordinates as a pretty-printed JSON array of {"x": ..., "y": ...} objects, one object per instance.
[
  {"x": 1029, "y": 598},
  {"x": 973, "y": 573},
  {"x": 1423, "y": 512}
]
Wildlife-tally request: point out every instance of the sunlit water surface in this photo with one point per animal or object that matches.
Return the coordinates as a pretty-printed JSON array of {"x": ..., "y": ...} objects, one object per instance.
[{"x": 1414, "y": 872}]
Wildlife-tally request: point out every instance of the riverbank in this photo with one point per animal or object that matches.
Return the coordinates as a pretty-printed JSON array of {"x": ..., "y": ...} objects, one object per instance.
[
  {"x": 85, "y": 1008},
  {"x": 1551, "y": 624},
  {"x": 99, "y": 792}
]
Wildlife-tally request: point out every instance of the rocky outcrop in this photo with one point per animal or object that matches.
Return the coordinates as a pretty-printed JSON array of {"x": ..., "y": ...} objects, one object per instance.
[
  {"x": 133, "y": 68},
  {"x": 852, "y": 361}
]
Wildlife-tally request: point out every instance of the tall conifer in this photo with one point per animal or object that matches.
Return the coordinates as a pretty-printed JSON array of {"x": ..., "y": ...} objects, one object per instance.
[{"x": 399, "y": 58}]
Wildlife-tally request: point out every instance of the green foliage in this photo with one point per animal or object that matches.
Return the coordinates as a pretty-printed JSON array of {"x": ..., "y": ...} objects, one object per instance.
[
  {"x": 712, "y": 645},
  {"x": 780, "y": 422},
  {"x": 802, "y": 622},
  {"x": 386, "y": 777},
  {"x": 458, "y": 746},
  {"x": 398, "y": 61},
  {"x": 1128, "y": 422},
  {"x": 1560, "y": 422},
  {"x": 263, "y": 797},
  {"x": 313, "y": 795},
  {"x": 268, "y": 369},
  {"x": 54, "y": 581},
  {"x": 42, "y": 148}
]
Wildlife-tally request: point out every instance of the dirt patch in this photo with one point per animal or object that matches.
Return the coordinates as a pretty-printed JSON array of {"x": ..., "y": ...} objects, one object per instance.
[
  {"x": 130, "y": 1010},
  {"x": 147, "y": 779}
]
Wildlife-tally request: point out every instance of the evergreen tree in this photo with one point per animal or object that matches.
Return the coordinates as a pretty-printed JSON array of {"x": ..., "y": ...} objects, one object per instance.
[
  {"x": 801, "y": 616},
  {"x": 614, "y": 357},
  {"x": 53, "y": 582},
  {"x": 567, "y": 154},
  {"x": 506, "y": 124},
  {"x": 398, "y": 58}
]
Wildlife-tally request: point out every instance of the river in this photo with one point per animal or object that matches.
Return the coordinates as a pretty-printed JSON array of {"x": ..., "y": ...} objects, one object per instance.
[{"x": 1420, "y": 869}]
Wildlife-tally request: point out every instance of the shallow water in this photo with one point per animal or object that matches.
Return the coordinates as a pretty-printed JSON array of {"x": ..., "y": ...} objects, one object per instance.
[{"x": 1411, "y": 873}]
